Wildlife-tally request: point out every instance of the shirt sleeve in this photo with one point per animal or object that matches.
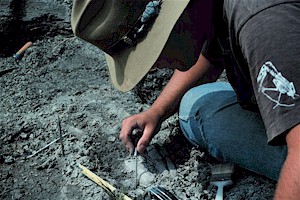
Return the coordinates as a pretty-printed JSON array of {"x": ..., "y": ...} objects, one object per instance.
[
  {"x": 270, "y": 43},
  {"x": 211, "y": 50}
]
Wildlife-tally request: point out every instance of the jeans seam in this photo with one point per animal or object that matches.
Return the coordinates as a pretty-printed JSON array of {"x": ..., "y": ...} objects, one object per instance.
[{"x": 201, "y": 130}]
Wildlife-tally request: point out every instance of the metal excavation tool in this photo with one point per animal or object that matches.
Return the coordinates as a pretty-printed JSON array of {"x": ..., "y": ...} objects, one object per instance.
[
  {"x": 159, "y": 193},
  {"x": 135, "y": 136},
  {"x": 136, "y": 162}
]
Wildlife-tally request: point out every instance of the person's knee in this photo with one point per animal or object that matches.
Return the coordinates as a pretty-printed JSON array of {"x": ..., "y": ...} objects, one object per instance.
[
  {"x": 187, "y": 115},
  {"x": 197, "y": 92},
  {"x": 192, "y": 95},
  {"x": 196, "y": 104}
]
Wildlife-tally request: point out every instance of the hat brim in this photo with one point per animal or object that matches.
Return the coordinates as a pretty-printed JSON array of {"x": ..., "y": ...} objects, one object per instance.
[{"x": 128, "y": 68}]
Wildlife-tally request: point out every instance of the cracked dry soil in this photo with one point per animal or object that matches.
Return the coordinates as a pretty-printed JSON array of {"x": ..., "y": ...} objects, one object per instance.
[{"x": 63, "y": 77}]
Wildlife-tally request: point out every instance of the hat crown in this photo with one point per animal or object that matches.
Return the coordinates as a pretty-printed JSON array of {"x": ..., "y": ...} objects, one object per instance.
[
  {"x": 104, "y": 22},
  {"x": 135, "y": 34}
]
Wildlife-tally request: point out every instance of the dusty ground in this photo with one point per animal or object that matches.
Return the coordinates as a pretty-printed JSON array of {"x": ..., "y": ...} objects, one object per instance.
[{"x": 63, "y": 77}]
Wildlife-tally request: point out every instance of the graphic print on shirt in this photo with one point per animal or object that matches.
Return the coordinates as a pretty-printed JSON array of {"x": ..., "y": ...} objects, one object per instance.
[{"x": 280, "y": 91}]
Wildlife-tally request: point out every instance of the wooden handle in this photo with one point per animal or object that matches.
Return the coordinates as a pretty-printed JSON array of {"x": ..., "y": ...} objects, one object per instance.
[{"x": 26, "y": 46}]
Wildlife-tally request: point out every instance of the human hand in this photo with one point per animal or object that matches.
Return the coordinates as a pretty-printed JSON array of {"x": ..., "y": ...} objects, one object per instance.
[{"x": 147, "y": 123}]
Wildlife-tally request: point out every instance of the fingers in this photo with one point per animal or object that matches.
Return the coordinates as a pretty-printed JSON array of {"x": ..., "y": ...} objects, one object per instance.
[
  {"x": 127, "y": 127},
  {"x": 145, "y": 139},
  {"x": 145, "y": 124}
]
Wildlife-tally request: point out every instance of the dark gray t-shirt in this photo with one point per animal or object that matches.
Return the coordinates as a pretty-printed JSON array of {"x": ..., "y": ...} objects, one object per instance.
[{"x": 262, "y": 58}]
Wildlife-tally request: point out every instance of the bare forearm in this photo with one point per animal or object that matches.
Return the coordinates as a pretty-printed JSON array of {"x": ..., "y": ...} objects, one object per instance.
[
  {"x": 168, "y": 101},
  {"x": 289, "y": 182},
  {"x": 149, "y": 121}
]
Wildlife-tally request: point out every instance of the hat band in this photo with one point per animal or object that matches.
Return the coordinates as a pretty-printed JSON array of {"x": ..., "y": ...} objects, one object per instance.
[{"x": 139, "y": 30}]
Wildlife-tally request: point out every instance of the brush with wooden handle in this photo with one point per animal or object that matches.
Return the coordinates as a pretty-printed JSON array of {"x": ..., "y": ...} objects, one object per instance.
[
  {"x": 221, "y": 177},
  {"x": 21, "y": 51}
]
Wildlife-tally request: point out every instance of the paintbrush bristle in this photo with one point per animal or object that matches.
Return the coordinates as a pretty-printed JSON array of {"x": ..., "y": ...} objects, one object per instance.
[{"x": 222, "y": 172}]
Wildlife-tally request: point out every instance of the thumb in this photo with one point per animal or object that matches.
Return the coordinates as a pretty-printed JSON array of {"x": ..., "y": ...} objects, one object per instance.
[
  {"x": 141, "y": 148},
  {"x": 145, "y": 140}
]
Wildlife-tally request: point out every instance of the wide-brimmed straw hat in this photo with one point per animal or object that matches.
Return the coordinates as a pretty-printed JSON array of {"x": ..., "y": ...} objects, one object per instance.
[{"x": 134, "y": 40}]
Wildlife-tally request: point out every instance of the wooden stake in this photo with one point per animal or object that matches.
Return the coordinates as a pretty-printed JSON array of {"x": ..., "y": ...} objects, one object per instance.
[
  {"x": 60, "y": 136},
  {"x": 105, "y": 185}
]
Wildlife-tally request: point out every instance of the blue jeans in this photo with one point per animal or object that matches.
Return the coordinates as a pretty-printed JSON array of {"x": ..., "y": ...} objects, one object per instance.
[{"x": 211, "y": 118}]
